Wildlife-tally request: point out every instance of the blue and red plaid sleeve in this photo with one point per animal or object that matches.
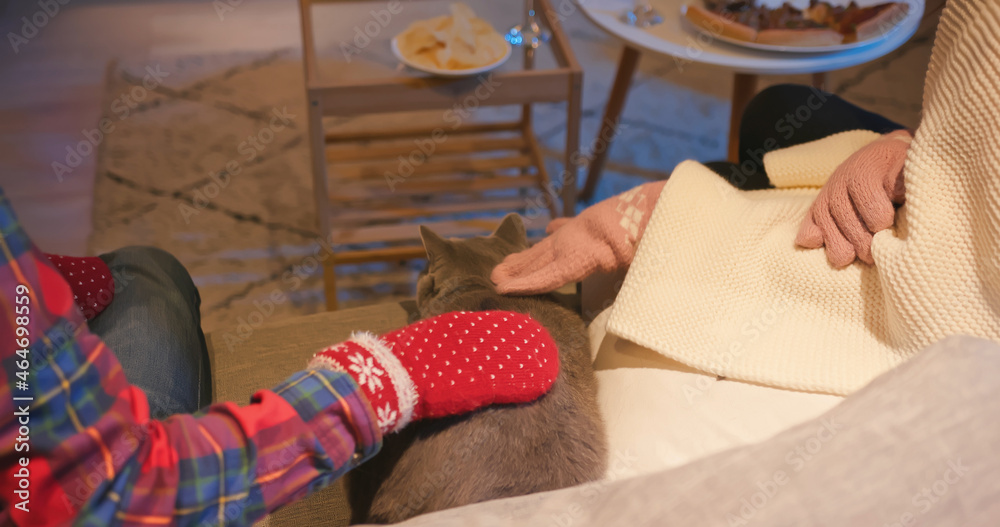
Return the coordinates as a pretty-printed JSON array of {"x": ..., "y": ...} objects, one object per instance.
[{"x": 77, "y": 444}]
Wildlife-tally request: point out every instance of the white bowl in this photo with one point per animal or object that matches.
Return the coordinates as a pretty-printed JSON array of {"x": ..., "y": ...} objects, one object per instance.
[{"x": 450, "y": 73}]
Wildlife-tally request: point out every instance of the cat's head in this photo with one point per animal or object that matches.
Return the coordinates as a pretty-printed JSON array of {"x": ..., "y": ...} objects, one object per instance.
[{"x": 449, "y": 261}]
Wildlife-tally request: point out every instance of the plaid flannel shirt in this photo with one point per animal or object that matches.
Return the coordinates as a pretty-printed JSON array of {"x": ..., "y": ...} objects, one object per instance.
[{"x": 77, "y": 444}]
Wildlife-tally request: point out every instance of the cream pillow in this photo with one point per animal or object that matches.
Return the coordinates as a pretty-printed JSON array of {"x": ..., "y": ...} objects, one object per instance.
[{"x": 661, "y": 414}]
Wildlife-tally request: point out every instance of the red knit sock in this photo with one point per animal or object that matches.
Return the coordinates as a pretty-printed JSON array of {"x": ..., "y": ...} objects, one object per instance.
[
  {"x": 448, "y": 365},
  {"x": 90, "y": 279}
]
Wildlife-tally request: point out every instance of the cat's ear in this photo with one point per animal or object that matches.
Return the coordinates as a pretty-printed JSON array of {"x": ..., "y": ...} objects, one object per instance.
[
  {"x": 434, "y": 244},
  {"x": 511, "y": 229}
]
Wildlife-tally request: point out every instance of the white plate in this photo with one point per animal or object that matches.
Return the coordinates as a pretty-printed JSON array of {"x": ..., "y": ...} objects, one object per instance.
[
  {"x": 799, "y": 49},
  {"x": 450, "y": 73}
]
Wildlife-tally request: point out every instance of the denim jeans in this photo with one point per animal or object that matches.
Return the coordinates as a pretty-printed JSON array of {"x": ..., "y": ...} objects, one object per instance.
[{"x": 153, "y": 326}]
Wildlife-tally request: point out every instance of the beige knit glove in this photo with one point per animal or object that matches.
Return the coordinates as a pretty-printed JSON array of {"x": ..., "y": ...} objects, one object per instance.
[
  {"x": 858, "y": 201},
  {"x": 603, "y": 237}
]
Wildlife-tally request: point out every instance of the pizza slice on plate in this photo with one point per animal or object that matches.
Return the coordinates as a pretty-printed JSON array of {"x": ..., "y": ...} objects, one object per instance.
[{"x": 820, "y": 24}]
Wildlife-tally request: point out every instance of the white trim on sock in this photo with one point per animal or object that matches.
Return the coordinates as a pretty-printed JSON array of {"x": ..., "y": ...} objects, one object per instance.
[
  {"x": 323, "y": 362},
  {"x": 406, "y": 391}
]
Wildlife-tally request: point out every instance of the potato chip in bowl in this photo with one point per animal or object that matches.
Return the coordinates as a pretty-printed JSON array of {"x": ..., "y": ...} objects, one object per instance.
[{"x": 457, "y": 44}]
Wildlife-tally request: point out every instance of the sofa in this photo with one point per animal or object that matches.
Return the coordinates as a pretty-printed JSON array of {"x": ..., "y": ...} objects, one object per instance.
[{"x": 916, "y": 444}]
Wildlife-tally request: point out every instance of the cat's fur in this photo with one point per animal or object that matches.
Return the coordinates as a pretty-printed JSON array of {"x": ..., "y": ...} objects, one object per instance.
[{"x": 500, "y": 451}]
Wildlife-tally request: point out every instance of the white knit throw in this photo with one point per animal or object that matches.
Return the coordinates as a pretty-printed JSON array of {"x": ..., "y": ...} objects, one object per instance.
[{"x": 718, "y": 284}]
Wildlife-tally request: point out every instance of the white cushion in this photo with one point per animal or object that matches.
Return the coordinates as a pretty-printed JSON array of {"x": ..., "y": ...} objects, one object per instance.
[{"x": 661, "y": 414}]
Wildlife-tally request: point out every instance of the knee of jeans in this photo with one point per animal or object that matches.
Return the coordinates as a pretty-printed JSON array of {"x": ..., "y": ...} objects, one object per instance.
[{"x": 150, "y": 260}]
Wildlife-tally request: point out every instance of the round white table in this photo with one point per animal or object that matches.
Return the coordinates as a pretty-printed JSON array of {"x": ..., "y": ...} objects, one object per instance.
[{"x": 675, "y": 37}]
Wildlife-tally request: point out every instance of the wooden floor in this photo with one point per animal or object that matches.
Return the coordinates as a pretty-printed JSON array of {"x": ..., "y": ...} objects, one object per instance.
[{"x": 51, "y": 90}]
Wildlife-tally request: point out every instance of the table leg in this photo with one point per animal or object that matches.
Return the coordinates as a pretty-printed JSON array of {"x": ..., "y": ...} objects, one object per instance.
[
  {"x": 744, "y": 88},
  {"x": 529, "y": 64},
  {"x": 819, "y": 80},
  {"x": 609, "y": 122},
  {"x": 573, "y": 110},
  {"x": 317, "y": 146},
  {"x": 330, "y": 284}
]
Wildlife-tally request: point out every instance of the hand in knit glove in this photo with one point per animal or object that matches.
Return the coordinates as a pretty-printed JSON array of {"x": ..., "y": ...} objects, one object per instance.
[
  {"x": 603, "y": 237},
  {"x": 447, "y": 365},
  {"x": 857, "y": 201}
]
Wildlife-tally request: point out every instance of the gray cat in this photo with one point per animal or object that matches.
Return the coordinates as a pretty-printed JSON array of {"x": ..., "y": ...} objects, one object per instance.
[{"x": 503, "y": 450}]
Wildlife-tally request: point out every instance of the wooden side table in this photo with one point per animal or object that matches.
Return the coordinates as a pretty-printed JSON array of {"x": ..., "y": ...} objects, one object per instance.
[
  {"x": 374, "y": 188},
  {"x": 744, "y": 88},
  {"x": 685, "y": 45}
]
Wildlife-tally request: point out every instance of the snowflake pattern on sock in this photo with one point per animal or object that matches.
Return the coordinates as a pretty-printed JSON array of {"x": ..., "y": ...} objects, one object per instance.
[
  {"x": 368, "y": 374},
  {"x": 387, "y": 416}
]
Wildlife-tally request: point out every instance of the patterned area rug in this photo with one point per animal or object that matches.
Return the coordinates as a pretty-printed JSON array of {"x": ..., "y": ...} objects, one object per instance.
[{"x": 247, "y": 238}]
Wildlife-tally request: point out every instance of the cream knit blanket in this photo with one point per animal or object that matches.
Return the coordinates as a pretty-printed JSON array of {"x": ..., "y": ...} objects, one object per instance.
[{"x": 718, "y": 284}]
